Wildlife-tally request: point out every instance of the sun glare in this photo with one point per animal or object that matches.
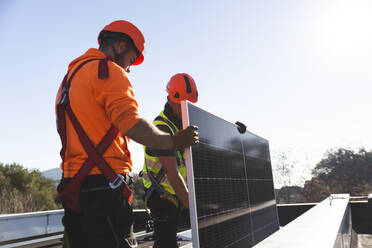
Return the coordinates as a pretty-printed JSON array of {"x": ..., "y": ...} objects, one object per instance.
[{"x": 346, "y": 30}]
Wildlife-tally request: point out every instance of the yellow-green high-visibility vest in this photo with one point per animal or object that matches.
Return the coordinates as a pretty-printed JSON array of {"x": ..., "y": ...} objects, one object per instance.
[{"x": 153, "y": 165}]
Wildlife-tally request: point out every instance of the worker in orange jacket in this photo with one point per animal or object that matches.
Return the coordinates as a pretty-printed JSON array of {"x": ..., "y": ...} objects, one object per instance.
[{"x": 96, "y": 116}]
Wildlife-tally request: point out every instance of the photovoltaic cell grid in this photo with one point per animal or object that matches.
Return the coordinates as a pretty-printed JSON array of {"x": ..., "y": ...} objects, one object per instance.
[{"x": 232, "y": 201}]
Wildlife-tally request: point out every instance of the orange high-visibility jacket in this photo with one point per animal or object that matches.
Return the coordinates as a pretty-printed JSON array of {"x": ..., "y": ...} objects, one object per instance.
[{"x": 98, "y": 103}]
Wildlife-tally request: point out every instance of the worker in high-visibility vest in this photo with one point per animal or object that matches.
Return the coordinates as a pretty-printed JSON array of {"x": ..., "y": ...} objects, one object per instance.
[
  {"x": 96, "y": 115},
  {"x": 164, "y": 171}
]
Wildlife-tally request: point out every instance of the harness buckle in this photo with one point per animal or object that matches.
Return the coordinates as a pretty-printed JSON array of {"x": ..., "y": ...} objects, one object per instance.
[
  {"x": 64, "y": 90},
  {"x": 64, "y": 96},
  {"x": 117, "y": 181}
]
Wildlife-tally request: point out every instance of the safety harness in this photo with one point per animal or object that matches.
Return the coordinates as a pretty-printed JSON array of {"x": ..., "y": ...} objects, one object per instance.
[
  {"x": 69, "y": 191},
  {"x": 155, "y": 180}
]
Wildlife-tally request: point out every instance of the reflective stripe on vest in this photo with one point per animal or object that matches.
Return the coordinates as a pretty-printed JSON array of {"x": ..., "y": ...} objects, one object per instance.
[{"x": 153, "y": 163}]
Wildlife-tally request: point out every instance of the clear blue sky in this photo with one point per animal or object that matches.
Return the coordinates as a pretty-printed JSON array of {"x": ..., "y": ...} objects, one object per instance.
[{"x": 296, "y": 72}]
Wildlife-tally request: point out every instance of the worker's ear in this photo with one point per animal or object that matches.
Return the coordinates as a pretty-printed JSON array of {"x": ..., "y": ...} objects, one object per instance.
[{"x": 121, "y": 47}]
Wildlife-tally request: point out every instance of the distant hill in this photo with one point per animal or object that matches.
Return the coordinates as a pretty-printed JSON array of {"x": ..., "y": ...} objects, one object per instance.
[{"x": 54, "y": 174}]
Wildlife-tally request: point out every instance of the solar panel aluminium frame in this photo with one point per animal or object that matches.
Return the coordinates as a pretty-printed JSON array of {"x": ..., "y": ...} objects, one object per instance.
[{"x": 190, "y": 181}]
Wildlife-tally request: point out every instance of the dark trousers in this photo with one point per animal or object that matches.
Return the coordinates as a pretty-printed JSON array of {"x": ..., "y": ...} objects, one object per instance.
[
  {"x": 105, "y": 219},
  {"x": 165, "y": 215}
]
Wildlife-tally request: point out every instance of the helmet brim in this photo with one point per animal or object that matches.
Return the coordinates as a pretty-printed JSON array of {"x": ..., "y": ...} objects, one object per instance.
[{"x": 139, "y": 60}]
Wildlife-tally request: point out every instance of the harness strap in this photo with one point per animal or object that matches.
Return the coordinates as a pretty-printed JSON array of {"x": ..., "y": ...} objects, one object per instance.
[
  {"x": 89, "y": 148},
  {"x": 101, "y": 148},
  {"x": 61, "y": 106},
  {"x": 174, "y": 130},
  {"x": 155, "y": 180},
  {"x": 115, "y": 179},
  {"x": 70, "y": 192},
  {"x": 61, "y": 127}
]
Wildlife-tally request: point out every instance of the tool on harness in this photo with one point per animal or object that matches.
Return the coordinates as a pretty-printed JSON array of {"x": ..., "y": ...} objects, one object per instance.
[
  {"x": 69, "y": 192},
  {"x": 163, "y": 194},
  {"x": 127, "y": 178},
  {"x": 155, "y": 185},
  {"x": 149, "y": 225},
  {"x": 155, "y": 180}
]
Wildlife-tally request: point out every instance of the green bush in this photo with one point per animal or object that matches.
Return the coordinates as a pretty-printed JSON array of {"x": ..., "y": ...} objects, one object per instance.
[{"x": 23, "y": 190}]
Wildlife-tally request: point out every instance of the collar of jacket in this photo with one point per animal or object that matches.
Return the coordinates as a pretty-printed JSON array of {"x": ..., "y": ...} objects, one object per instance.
[{"x": 172, "y": 117}]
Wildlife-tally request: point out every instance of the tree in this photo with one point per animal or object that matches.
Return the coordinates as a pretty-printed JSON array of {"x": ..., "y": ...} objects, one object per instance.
[
  {"x": 341, "y": 171},
  {"x": 283, "y": 175},
  {"x": 22, "y": 190},
  {"x": 289, "y": 194},
  {"x": 289, "y": 174}
]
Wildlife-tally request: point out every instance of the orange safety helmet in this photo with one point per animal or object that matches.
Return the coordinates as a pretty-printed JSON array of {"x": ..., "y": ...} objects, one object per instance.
[
  {"x": 182, "y": 87},
  {"x": 132, "y": 31}
]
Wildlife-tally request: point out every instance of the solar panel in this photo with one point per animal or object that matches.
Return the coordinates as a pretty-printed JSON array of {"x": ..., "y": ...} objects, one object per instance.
[{"x": 231, "y": 192}]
